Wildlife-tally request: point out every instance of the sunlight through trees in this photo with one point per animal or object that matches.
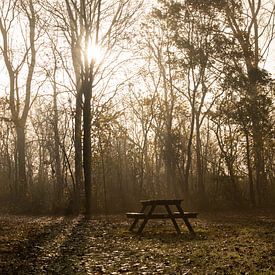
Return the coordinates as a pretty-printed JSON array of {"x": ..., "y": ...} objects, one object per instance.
[{"x": 104, "y": 103}]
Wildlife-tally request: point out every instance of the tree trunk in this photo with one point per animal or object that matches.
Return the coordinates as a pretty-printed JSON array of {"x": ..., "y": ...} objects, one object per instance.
[
  {"x": 257, "y": 145},
  {"x": 200, "y": 183},
  {"x": 21, "y": 154},
  {"x": 87, "y": 146},
  {"x": 259, "y": 164},
  {"x": 78, "y": 151},
  {"x": 103, "y": 172},
  {"x": 170, "y": 164},
  {"x": 58, "y": 173},
  {"x": 249, "y": 168},
  {"x": 189, "y": 158}
]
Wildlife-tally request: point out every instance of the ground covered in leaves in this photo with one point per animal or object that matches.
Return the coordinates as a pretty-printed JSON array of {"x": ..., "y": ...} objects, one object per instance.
[{"x": 226, "y": 243}]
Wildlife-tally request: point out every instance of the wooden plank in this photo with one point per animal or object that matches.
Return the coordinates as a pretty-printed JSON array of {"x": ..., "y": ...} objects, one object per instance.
[
  {"x": 185, "y": 219},
  {"x": 146, "y": 218},
  {"x": 190, "y": 215},
  {"x": 135, "y": 215},
  {"x": 171, "y": 216},
  {"x": 135, "y": 222},
  {"x": 161, "y": 202}
]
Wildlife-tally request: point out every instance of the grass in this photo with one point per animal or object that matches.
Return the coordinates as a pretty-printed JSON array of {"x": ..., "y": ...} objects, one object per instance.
[{"x": 225, "y": 243}]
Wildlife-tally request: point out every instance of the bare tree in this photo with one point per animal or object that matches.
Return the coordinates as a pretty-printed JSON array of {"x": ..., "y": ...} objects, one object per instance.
[{"x": 19, "y": 66}]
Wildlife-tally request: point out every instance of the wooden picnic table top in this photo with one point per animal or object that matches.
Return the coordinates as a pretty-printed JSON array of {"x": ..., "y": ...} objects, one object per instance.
[{"x": 161, "y": 202}]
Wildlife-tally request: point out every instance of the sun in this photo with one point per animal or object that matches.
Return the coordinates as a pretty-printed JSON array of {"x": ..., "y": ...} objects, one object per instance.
[{"x": 94, "y": 52}]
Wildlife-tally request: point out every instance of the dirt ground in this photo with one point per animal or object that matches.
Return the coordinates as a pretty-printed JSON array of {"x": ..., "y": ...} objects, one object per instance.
[{"x": 226, "y": 243}]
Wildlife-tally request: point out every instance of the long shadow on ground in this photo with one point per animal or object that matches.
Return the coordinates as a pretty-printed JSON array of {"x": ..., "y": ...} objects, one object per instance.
[
  {"x": 38, "y": 246},
  {"x": 72, "y": 250}
]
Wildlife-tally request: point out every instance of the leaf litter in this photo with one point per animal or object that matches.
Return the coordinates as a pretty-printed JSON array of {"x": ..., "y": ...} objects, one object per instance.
[{"x": 231, "y": 243}]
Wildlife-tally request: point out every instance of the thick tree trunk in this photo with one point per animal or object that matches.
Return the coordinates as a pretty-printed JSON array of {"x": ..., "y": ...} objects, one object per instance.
[
  {"x": 21, "y": 154},
  {"x": 87, "y": 146}
]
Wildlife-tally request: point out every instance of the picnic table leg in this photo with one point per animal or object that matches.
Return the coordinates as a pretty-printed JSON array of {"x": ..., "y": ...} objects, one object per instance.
[
  {"x": 172, "y": 218},
  {"x": 185, "y": 219},
  {"x": 136, "y": 219},
  {"x": 146, "y": 219}
]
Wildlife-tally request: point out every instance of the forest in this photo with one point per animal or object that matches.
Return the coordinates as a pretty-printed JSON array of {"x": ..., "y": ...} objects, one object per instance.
[
  {"x": 104, "y": 103},
  {"x": 107, "y": 103}
]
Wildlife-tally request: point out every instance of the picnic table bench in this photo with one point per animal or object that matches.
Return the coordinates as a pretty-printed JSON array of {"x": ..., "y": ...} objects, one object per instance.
[{"x": 147, "y": 213}]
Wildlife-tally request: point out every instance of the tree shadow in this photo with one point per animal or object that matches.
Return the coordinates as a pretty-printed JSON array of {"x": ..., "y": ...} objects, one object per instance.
[
  {"x": 31, "y": 254},
  {"x": 70, "y": 257}
]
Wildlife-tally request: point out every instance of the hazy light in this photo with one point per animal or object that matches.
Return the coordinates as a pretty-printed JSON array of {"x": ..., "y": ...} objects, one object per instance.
[{"x": 94, "y": 52}]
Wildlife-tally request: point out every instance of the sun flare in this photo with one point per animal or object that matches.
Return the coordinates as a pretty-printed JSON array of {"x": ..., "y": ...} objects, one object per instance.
[{"x": 94, "y": 52}]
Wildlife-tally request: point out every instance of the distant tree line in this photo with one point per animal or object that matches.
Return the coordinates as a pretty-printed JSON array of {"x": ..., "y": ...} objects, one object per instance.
[{"x": 104, "y": 103}]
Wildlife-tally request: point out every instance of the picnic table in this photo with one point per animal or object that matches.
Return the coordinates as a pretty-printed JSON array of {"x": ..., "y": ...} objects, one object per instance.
[{"x": 147, "y": 213}]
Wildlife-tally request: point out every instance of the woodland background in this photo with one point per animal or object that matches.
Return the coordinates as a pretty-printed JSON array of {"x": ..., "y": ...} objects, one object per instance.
[{"x": 104, "y": 103}]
